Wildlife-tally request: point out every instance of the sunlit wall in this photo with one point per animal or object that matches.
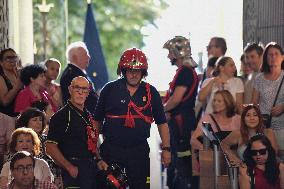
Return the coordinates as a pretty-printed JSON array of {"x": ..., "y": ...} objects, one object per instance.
[{"x": 199, "y": 20}]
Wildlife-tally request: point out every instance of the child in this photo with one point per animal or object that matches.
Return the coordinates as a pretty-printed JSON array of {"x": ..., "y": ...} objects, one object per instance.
[{"x": 53, "y": 68}]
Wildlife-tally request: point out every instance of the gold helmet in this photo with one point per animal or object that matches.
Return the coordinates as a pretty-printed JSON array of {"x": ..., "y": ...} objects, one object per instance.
[{"x": 180, "y": 47}]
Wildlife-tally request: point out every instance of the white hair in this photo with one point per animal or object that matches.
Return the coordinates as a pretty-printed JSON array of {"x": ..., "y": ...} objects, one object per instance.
[{"x": 73, "y": 46}]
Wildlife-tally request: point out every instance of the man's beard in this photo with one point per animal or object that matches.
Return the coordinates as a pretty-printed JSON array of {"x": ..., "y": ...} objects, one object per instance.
[
  {"x": 173, "y": 61},
  {"x": 133, "y": 85}
]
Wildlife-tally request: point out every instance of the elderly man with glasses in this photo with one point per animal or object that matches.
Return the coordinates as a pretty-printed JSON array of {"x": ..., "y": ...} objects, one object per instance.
[{"x": 72, "y": 138}]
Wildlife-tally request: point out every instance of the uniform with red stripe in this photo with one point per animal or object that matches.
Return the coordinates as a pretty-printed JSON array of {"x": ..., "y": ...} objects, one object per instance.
[
  {"x": 126, "y": 108},
  {"x": 179, "y": 106}
]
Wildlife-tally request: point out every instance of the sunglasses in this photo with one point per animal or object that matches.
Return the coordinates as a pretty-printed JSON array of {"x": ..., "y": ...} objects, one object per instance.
[
  {"x": 83, "y": 89},
  {"x": 11, "y": 58},
  {"x": 258, "y": 152}
]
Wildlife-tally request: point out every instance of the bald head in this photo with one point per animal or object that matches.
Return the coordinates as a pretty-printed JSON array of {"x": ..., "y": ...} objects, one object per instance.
[
  {"x": 79, "y": 80},
  {"x": 79, "y": 91}
]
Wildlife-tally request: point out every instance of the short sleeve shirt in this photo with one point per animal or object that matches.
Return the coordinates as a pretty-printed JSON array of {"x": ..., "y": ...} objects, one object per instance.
[
  {"x": 187, "y": 77},
  {"x": 267, "y": 92},
  {"x": 67, "y": 129}
]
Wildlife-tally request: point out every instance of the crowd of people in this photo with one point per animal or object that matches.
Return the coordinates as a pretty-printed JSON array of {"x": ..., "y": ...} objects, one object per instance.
[{"x": 50, "y": 132}]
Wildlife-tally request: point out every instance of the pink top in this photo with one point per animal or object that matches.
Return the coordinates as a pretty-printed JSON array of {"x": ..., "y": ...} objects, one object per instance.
[
  {"x": 234, "y": 125},
  {"x": 54, "y": 91},
  {"x": 25, "y": 98}
]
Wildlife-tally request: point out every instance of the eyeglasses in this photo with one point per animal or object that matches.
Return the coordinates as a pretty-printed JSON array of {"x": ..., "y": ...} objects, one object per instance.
[
  {"x": 22, "y": 169},
  {"x": 11, "y": 58},
  {"x": 258, "y": 152},
  {"x": 79, "y": 89}
]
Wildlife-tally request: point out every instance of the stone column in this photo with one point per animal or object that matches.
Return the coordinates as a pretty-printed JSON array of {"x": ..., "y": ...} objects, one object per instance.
[
  {"x": 21, "y": 29},
  {"x": 4, "y": 24}
]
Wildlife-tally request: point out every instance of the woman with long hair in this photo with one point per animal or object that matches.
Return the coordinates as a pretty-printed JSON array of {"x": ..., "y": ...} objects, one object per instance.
[
  {"x": 10, "y": 85},
  {"x": 266, "y": 86},
  {"x": 251, "y": 124},
  {"x": 224, "y": 80},
  {"x": 223, "y": 117},
  {"x": 262, "y": 171}
]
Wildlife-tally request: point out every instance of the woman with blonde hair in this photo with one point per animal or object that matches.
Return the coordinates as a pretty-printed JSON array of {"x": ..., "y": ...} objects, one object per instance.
[
  {"x": 25, "y": 139},
  {"x": 222, "y": 119}
]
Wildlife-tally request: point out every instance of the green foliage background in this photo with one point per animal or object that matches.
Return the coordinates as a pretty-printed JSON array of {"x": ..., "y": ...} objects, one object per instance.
[{"x": 119, "y": 23}]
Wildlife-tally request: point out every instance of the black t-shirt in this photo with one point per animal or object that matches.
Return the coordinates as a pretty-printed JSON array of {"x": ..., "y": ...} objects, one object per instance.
[
  {"x": 67, "y": 128},
  {"x": 187, "y": 77},
  {"x": 114, "y": 99}
]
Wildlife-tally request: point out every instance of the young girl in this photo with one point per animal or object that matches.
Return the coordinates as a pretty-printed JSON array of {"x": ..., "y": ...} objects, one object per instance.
[{"x": 53, "y": 69}]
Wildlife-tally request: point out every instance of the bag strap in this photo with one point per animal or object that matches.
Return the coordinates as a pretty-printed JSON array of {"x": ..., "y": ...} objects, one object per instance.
[
  {"x": 278, "y": 91},
  {"x": 217, "y": 125}
]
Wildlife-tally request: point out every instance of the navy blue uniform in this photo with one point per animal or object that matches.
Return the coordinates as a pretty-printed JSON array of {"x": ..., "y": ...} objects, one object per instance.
[
  {"x": 68, "y": 130},
  {"x": 68, "y": 75},
  {"x": 181, "y": 124},
  {"x": 124, "y": 145}
]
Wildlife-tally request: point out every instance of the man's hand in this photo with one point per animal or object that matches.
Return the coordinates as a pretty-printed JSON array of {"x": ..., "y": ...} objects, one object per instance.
[
  {"x": 73, "y": 171},
  {"x": 102, "y": 165},
  {"x": 168, "y": 115},
  {"x": 166, "y": 158}
]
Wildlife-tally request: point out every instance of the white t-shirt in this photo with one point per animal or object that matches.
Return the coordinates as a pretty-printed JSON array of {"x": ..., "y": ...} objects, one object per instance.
[
  {"x": 41, "y": 171},
  {"x": 233, "y": 85}
]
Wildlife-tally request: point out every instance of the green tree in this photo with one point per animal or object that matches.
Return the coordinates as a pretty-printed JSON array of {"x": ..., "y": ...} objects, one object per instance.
[{"x": 119, "y": 23}]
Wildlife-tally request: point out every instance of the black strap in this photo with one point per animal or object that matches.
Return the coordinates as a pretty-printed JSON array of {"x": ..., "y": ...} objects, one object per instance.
[
  {"x": 217, "y": 125},
  {"x": 278, "y": 91},
  {"x": 252, "y": 179}
]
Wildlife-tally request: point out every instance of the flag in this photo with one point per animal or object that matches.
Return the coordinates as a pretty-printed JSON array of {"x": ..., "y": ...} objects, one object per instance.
[{"x": 97, "y": 70}]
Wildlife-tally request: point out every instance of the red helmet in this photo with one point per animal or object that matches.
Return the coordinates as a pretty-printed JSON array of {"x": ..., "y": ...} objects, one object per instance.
[{"x": 133, "y": 59}]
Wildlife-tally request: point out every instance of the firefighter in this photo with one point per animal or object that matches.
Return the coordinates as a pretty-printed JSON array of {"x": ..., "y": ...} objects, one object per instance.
[
  {"x": 179, "y": 107},
  {"x": 126, "y": 109}
]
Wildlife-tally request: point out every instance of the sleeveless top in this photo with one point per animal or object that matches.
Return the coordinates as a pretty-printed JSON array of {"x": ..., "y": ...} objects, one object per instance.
[
  {"x": 262, "y": 183},
  {"x": 9, "y": 109}
]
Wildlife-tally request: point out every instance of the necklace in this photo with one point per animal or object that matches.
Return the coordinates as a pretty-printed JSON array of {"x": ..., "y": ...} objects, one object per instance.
[{"x": 91, "y": 127}]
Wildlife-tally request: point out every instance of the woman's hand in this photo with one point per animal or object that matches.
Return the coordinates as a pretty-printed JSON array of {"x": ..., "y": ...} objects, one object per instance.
[{"x": 277, "y": 110}]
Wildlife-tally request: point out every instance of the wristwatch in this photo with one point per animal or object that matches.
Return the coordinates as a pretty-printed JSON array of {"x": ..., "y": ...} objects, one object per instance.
[{"x": 166, "y": 148}]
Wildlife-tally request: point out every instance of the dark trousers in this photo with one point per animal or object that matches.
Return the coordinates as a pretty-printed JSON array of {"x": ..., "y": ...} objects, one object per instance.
[
  {"x": 86, "y": 178},
  {"x": 134, "y": 159},
  {"x": 179, "y": 173}
]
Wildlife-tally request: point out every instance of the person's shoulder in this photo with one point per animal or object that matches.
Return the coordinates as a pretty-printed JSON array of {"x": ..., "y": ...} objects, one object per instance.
[
  {"x": 40, "y": 162},
  {"x": 206, "y": 81},
  {"x": 259, "y": 75},
  {"x": 43, "y": 184},
  {"x": 111, "y": 84},
  {"x": 61, "y": 112}
]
